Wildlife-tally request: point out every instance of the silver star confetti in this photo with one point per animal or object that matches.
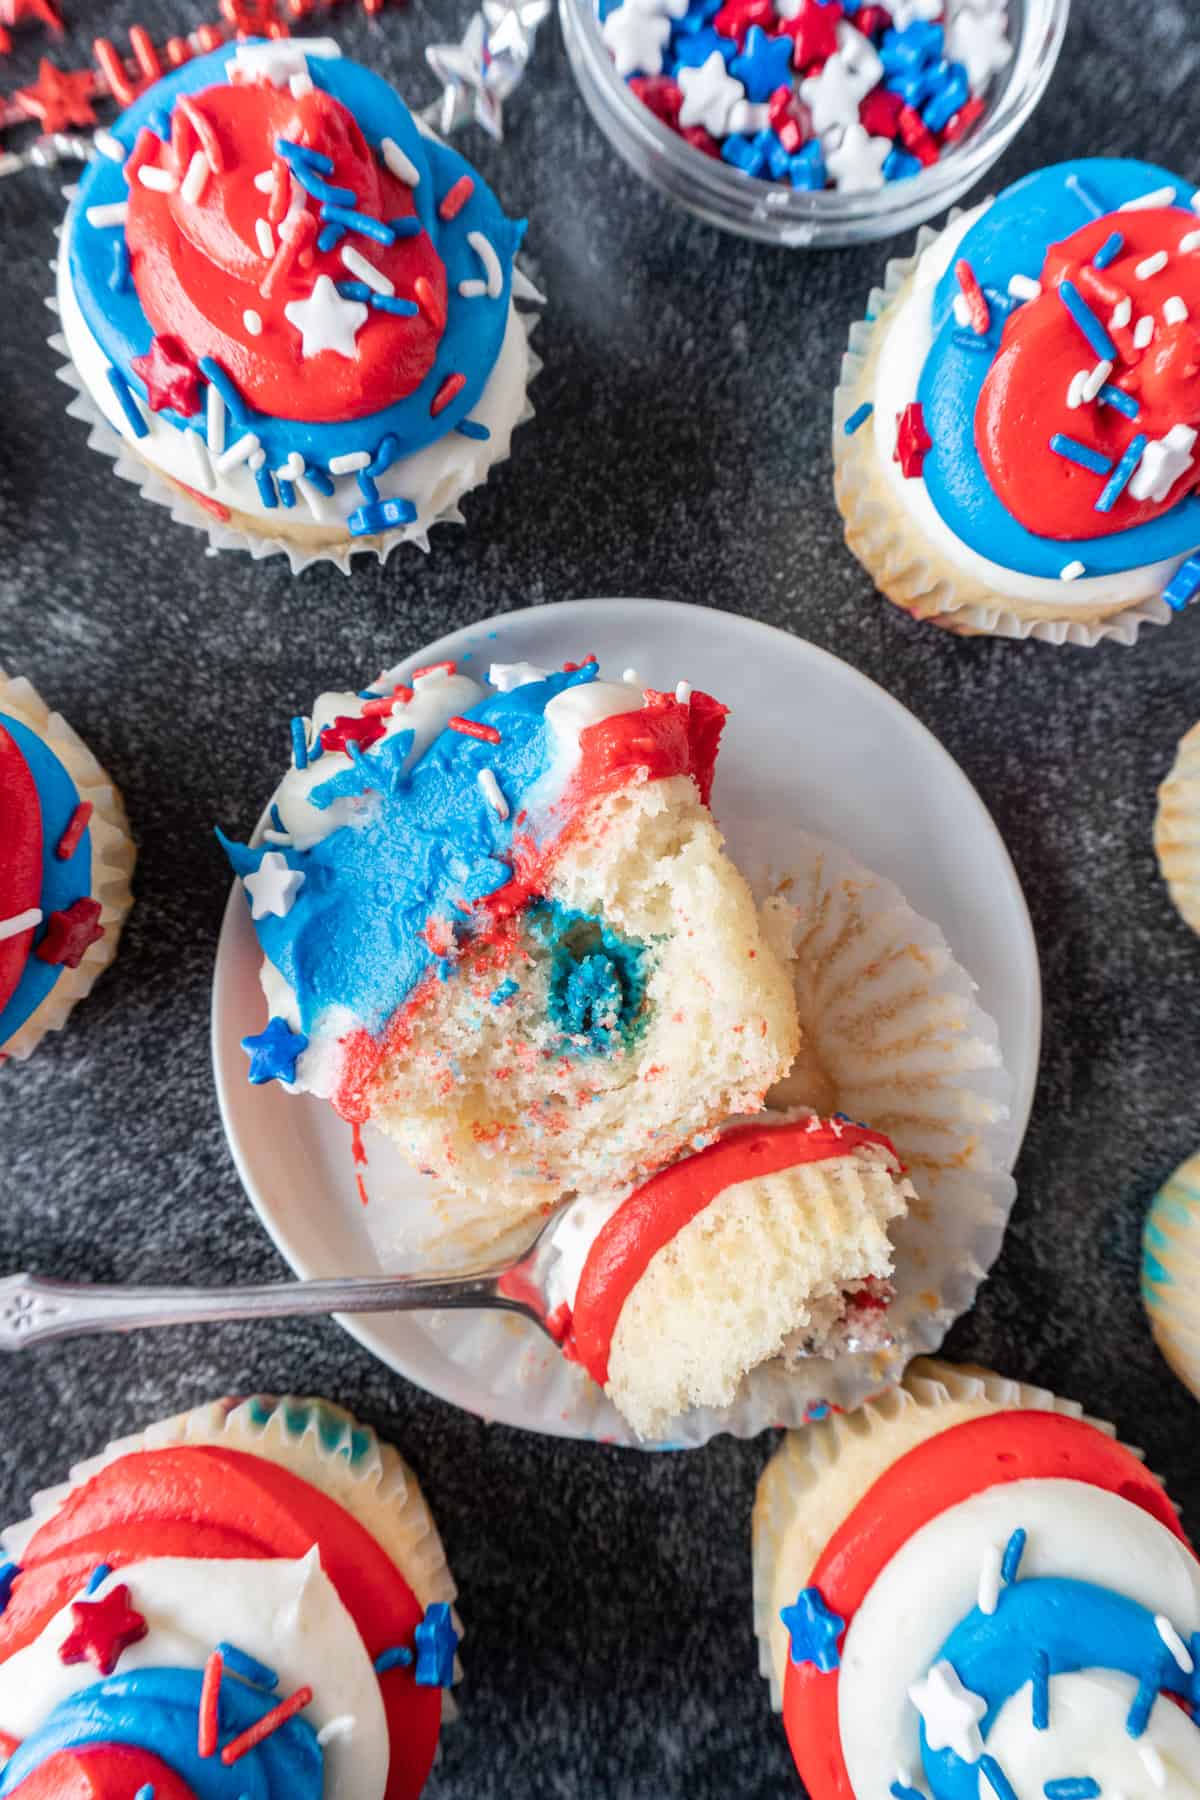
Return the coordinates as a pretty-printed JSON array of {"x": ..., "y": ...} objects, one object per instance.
[{"x": 479, "y": 73}]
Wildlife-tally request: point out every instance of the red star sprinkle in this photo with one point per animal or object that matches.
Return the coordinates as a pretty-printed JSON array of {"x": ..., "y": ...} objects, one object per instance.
[
  {"x": 171, "y": 377},
  {"x": 57, "y": 100},
  {"x": 103, "y": 1630},
  {"x": 737, "y": 16},
  {"x": 69, "y": 935},
  {"x": 913, "y": 442},
  {"x": 13, "y": 11},
  {"x": 345, "y": 731},
  {"x": 813, "y": 31}
]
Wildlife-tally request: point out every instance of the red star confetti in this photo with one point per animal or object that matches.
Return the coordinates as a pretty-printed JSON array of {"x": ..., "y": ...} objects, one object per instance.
[
  {"x": 349, "y": 730},
  {"x": 103, "y": 1630},
  {"x": 57, "y": 100},
  {"x": 69, "y": 935},
  {"x": 12, "y": 12},
  {"x": 171, "y": 377},
  {"x": 913, "y": 442}
]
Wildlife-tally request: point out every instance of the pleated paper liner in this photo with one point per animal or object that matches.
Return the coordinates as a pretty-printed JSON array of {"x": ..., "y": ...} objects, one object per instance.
[
  {"x": 893, "y": 1026},
  {"x": 1171, "y": 1271},
  {"x": 1177, "y": 829},
  {"x": 906, "y": 567},
  {"x": 819, "y": 1475},
  {"x": 113, "y": 857},
  {"x": 312, "y": 1439}
]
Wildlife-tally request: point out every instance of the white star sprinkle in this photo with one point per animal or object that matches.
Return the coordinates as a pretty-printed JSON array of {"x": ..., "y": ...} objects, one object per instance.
[
  {"x": 273, "y": 886},
  {"x": 905, "y": 11},
  {"x": 857, "y": 163},
  {"x": 636, "y": 39},
  {"x": 831, "y": 96},
  {"x": 1164, "y": 460},
  {"x": 979, "y": 41},
  {"x": 326, "y": 321},
  {"x": 951, "y": 1712},
  {"x": 709, "y": 95},
  {"x": 861, "y": 59}
]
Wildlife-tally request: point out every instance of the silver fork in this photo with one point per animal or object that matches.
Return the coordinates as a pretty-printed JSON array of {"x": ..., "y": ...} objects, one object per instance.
[{"x": 36, "y": 1310}]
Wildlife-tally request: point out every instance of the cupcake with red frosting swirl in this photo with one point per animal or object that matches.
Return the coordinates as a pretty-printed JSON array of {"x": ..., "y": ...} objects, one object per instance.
[
  {"x": 291, "y": 307},
  {"x": 248, "y": 1600}
]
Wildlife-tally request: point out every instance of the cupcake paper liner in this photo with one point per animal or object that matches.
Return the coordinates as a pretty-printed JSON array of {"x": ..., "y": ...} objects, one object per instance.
[
  {"x": 918, "y": 1050},
  {"x": 845, "y": 1456},
  {"x": 1177, "y": 829},
  {"x": 895, "y": 553},
  {"x": 113, "y": 858},
  {"x": 1171, "y": 1271},
  {"x": 313, "y": 1439}
]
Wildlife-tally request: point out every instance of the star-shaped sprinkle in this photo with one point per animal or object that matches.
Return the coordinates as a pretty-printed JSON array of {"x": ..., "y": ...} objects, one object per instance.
[
  {"x": 274, "y": 1052},
  {"x": 1164, "y": 461},
  {"x": 709, "y": 95},
  {"x": 950, "y": 1711},
  {"x": 436, "y": 1641},
  {"x": 512, "y": 24},
  {"x": 475, "y": 82},
  {"x": 906, "y": 12},
  {"x": 351, "y": 728},
  {"x": 12, "y": 12},
  {"x": 857, "y": 163},
  {"x": 103, "y": 1630},
  {"x": 812, "y": 27},
  {"x": 763, "y": 65},
  {"x": 978, "y": 40},
  {"x": 326, "y": 321},
  {"x": 70, "y": 934},
  {"x": 861, "y": 58},
  {"x": 636, "y": 39},
  {"x": 58, "y": 100},
  {"x": 832, "y": 96},
  {"x": 273, "y": 886},
  {"x": 171, "y": 376},
  {"x": 913, "y": 442},
  {"x": 814, "y": 1630}
]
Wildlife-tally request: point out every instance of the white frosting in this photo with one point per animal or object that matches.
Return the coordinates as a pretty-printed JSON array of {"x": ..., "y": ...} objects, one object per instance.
[
  {"x": 1076, "y": 1531},
  {"x": 280, "y": 61},
  {"x": 574, "y": 1236},
  {"x": 434, "y": 479},
  {"x": 284, "y": 1613},
  {"x": 905, "y": 349},
  {"x": 1088, "y": 1737}
]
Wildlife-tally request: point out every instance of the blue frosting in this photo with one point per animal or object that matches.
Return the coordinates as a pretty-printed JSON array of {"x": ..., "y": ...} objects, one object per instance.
[
  {"x": 474, "y": 329},
  {"x": 1011, "y": 238},
  {"x": 158, "y": 1710},
  {"x": 597, "y": 978},
  {"x": 356, "y": 935},
  {"x": 62, "y": 882}
]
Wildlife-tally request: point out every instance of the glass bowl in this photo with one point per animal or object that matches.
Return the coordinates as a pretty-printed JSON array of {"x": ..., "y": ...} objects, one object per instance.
[{"x": 775, "y": 213}]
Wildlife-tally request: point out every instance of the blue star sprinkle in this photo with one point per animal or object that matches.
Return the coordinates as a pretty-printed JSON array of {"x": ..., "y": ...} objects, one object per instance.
[
  {"x": 273, "y": 1053},
  {"x": 764, "y": 64},
  {"x": 8, "y": 1574},
  {"x": 436, "y": 1641},
  {"x": 814, "y": 1630}
]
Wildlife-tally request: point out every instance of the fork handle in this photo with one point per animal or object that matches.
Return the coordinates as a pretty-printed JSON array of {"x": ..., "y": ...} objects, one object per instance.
[{"x": 35, "y": 1310}]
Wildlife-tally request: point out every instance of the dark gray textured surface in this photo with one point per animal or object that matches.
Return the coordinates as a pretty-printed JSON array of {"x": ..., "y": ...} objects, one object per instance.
[{"x": 680, "y": 449}]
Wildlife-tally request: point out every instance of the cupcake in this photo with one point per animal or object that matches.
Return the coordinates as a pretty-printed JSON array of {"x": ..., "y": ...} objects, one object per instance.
[
  {"x": 1015, "y": 428},
  {"x": 65, "y": 862},
  {"x": 498, "y": 924},
  {"x": 970, "y": 1589},
  {"x": 1177, "y": 829},
  {"x": 248, "y": 1600},
  {"x": 294, "y": 309},
  {"x": 1171, "y": 1271},
  {"x": 770, "y": 1242}
]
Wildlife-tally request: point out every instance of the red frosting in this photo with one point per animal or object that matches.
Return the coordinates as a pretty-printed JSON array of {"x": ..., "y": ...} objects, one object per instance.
[
  {"x": 21, "y": 861},
  {"x": 1024, "y": 399},
  {"x": 201, "y": 1501},
  {"x": 940, "y": 1473},
  {"x": 198, "y": 266},
  {"x": 659, "y": 1210},
  {"x": 102, "y": 1772}
]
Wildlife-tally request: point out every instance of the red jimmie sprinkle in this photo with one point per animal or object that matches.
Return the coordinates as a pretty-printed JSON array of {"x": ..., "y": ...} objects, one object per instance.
[
  {"x": 442, "y": 668},
  {"x": 279, "y": 1715},
  {"x": 475, "y": 728},
  {"x": 77, "y": 824},
  {"x": 977, "y": 306},
  {"x": 123, "y": 90},
  {"x": 427, "y": 300},
  {"x": 456, "y": 197},
  {"x": 210, "y": 143},
  {"x": 210, "y": 1699},
  {"x": 913, "y": 442},
  {"x": 453, "y": 384},
  {"x": 145, "y": 55}
]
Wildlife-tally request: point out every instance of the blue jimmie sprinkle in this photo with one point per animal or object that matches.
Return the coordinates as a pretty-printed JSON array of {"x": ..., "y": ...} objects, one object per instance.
[
  {"x": 385, "y": 456},
  {"x": 8, "y": 1574},
  {"x": 395, "y": 1658},
  {"x": 1073, "y": 451},
  {"x": 1041, "y": 1691},
  {"x": 436, "y": 1641},
  {"x": 127, "y": 403},
  {"x": 997, "y": 1780},
  {"x": 299, "y": 744},
  {"x": 384, "y": 515},
  {"x": 1143, "y": 1704},
  {"x": 100, "y": 1573},
  {"x": 471, "y": 428},
  {"x": 276, "y": 818},
  {"x": 1109, "y": 250},
  {"x": 900, "y": 1790},
  {"x": 118, "y": 279},
  {"x": 391, "y": 303},
  {"x": 1014, "y": 1550},
  {"x": 1072, "y": 1787},
  {"x": 858, "y": 418},
  {"x": 329, "y": 236},
  {"x": 814, "y": 1629},
  {"x": 322, "y": 481},
  {"x": 247, "y": 1667},
  {"x": 145, "y": 1792},
  {"x": 159, "y": 122},
  {"x": 362, "y": 223},
  {"x": 407, "y": 227},
  {"x": 300, "y": 153},
  {"x": 265, "y": 483},
  {"x": 354, "y": 290},
  {"x": 287, "y": 492},
  {"x": 504, "y": 992},
  {"x": 1184, "y": 585},
  {"x": 322, "y": 190},
  {"x": 1115, "y": 396},
  {"x": 1087, "y": 321},
  {"x": 224, "y": 384},
  {"x": 367, "y": 487},
  {"x": 1122, "y": 475},
  {"x": 1086, "y": 197}
]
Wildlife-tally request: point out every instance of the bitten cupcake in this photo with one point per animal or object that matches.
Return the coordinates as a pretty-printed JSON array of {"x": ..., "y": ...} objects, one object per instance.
[
  {"x": 65, "y": 861},
  {"x": 968, "y": 1589},
  {"x": 292, "y": 308},
  {"x": 1015, "y": 429},
  {"x": 498, "y": 923},
  {"x": 247, "y": 1602}
]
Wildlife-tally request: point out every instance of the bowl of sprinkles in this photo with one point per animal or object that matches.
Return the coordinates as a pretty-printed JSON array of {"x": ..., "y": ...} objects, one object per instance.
[{"x": 812, "y": 122}]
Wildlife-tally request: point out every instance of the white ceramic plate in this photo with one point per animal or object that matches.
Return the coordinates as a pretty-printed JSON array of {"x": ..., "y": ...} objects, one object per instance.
[{"x": 809, "y": 739}]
